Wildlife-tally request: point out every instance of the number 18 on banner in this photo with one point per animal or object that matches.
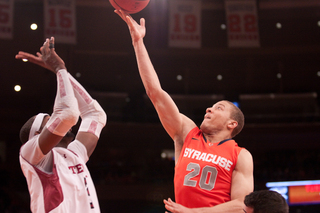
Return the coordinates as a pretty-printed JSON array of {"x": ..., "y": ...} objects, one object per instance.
[
  {"x": 184, "y": 23},
  {"x": 60, "y": 20}
]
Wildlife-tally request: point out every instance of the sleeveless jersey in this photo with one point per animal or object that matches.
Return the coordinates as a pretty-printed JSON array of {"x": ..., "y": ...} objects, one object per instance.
[
  {"x": 68, "y": 188},
  {"x": 203, "y": 172}
]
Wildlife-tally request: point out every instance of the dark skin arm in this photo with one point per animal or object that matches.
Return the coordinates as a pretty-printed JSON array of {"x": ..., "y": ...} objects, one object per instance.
[{"x": 48, "y": 59}]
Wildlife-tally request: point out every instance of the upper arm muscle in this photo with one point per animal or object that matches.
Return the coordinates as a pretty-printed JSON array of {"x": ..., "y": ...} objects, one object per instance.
[
  {"x": 89, "y": 140},
  {"x": 175, "y": 123},
  {"x": 242, "y": 177}
]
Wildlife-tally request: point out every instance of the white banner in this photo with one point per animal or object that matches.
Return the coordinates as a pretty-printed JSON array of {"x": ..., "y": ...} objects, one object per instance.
[
  {"x": 242, "y": 23},
  {"x": 185, "y": 23},
  {"x": 60, "y": 20},
  {"x": 6, "y": 19}
]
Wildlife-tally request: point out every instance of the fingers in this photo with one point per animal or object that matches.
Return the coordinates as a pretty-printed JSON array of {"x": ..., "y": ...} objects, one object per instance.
[
  {"x": 21, "y": 55},
  {"x": 45, "y": 48},
  {"x": 118, "y": 12},
  {"x": 142, "y": 22},
  {"x": 24, "y": 55},
  {"x": 121, "y": 14},
  {"x": 47, "y": 58},
  {"x": 125, "y": 16},
  {"x": 129, "y": 22},
  {"x": 51, "y": 43},
  {"x": 168, "y": 205}
]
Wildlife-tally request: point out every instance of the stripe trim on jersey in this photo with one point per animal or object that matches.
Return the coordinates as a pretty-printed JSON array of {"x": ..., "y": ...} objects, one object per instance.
[{"x": 52, "y": 190}]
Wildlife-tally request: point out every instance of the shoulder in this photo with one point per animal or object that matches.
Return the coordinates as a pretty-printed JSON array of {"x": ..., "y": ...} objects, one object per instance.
[
  {"x": 245, "y": 160},
  {"x": 188, "y": 125},
  {"x": 31, "y": 151},
  {"x": 77, "y": 148},
  {"x": 245, "y": 155},
  {"x": 187, "y": 129}
]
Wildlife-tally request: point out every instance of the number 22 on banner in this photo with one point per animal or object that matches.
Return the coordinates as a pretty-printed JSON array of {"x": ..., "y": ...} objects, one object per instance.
[{"x": 246, "y": 23}]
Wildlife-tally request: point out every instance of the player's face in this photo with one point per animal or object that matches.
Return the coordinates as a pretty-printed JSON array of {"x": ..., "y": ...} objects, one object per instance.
[
  {"x": 217, "y": 117},
  {"x": 44, "y": 122}
]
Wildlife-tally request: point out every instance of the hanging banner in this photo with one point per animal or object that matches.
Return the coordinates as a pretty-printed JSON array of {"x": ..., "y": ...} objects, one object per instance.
[
  {"x": 185, "y": 23},
  {"x": 60, "y": 20},
  {"x": 242, "y": 23},
  {"x": 6, "y": 19}
]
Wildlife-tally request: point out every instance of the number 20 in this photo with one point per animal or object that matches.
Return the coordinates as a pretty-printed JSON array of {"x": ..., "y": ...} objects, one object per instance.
[{"x": 204, "y": 183}]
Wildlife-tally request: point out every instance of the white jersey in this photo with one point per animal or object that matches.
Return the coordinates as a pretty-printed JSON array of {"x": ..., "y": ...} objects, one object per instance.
[{"x": 58, "y": 182}]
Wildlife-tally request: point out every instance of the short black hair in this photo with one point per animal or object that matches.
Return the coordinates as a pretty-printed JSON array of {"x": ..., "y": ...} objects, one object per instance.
[{"x": 266, "y": 201}]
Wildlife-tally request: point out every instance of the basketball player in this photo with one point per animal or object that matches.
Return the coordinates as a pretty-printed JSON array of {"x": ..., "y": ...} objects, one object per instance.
[
  {"x": 53, "y": 163},
  {"x": 211, "y": 171},
  {"x": 265, "y": 201}
]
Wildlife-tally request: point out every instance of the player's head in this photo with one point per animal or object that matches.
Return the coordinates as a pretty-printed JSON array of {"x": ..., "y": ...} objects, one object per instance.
[
  {"x": 223, "y": 115},
  {"x": 237, "y": 115},
  {"x": 265, "y": 201},
  {"x": 32, "y": 127},
  {"x": 35, "y": 125}
]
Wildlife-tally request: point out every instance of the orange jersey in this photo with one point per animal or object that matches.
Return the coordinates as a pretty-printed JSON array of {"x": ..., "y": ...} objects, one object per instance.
[{"x": 203, "y": 172}]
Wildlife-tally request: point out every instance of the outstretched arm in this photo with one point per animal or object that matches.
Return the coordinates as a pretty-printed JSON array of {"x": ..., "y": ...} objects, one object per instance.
[
  {"x": 65, "y": 113},
  {"x": 48, "y": 57},
  {"x": 93, "y": 116},
  {"x": 176, "y": 125},
  {"x": 242, "y": 185}
]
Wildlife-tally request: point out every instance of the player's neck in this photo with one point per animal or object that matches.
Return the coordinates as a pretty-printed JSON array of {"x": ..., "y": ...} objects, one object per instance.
[{"x": 216, "y": 138}]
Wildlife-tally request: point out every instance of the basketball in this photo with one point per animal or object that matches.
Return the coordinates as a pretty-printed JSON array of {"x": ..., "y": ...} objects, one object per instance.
[{"x": 129, "y": 6}]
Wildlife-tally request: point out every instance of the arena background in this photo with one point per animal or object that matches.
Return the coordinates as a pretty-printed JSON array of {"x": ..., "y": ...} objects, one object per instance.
[{"x": 132, "y": 166}]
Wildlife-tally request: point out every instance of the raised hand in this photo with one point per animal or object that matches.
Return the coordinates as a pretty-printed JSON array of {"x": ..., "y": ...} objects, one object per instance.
[
  {"x": 48, "y": 58},
  {"x": 174, "y": 207},
  {"x": 137, "y": 31}
]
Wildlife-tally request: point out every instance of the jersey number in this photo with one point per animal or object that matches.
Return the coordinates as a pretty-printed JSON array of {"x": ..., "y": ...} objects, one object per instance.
[{"x": 207, "y": 179}]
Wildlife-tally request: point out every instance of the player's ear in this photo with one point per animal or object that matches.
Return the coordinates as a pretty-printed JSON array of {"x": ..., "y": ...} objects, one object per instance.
[{"x": 232, "y": 124}]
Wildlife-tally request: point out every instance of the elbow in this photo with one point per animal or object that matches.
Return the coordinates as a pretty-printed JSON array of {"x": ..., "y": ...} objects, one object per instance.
[
  {"x": 149, "y": 94},
  {"x": 70, "y": 113},
  {"x": 239, "y": 204},
  {"x": 153, "y": 93},
  {"x": 101, "y": 115},
  {"x": 70, "y": 117},
  {"x": 102, "y": 118}
]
